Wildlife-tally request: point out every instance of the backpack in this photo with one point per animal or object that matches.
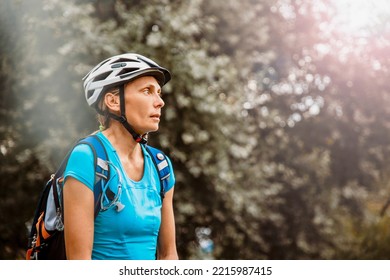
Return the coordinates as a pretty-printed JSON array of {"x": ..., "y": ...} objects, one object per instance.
[{"x": 46, "y": 238}]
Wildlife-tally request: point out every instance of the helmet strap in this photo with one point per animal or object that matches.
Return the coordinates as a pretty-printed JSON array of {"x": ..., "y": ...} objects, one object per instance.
[{"x": 142, "y": 139}]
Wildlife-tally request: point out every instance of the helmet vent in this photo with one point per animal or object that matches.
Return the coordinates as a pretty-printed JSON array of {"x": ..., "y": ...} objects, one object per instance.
[
  {"x": 147, "y": 61},
  {"x": 90, "y": 93},
  {"x": 126, "y": 60},
  {"x": 101, "y": 77},
  {"x": 127, "y": 72}
]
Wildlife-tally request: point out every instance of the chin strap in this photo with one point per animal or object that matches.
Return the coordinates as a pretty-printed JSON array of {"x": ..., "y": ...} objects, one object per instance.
[{"x": 142, "y": 139}]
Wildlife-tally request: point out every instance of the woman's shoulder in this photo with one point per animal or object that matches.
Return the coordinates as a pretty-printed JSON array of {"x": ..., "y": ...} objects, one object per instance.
[{"x": 80, "y": 164}]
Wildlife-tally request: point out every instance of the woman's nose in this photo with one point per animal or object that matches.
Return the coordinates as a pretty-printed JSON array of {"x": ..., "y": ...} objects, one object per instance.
[{"x": 159, "y": 102}]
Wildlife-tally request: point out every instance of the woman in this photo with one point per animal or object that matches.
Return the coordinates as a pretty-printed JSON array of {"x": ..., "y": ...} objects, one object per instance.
[{"x": 126, "y": 92}]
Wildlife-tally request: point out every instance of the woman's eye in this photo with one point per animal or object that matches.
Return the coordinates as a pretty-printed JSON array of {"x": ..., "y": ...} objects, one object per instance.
[{"x": 151, "y": 91}]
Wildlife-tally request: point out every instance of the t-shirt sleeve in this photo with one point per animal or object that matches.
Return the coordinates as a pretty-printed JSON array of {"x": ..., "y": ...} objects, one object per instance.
[
  {"x": 171, "y": 178},
  {"x": 81, "y": 165}
]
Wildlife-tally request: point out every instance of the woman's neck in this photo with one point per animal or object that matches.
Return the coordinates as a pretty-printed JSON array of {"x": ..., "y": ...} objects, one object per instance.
[{"x": 122, "y": 141}]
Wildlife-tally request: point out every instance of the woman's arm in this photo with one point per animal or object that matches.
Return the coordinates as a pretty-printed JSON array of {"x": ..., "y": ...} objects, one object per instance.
[
  {"x": 78, "y": 219},
  {"x": 167, "y": 236}
]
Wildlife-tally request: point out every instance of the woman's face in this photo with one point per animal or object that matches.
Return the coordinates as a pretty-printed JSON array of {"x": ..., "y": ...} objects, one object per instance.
[{"x": 143, "y": 104}]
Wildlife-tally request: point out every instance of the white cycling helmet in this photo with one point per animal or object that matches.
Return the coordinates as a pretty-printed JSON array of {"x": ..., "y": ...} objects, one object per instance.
[{"x": 118, "y": 70}]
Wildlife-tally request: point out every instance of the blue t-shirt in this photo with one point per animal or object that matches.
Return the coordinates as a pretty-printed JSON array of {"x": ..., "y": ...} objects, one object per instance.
[{"x": 131, "y": 233}]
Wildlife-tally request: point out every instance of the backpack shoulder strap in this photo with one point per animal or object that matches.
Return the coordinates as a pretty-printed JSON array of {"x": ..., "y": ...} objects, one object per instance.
[
  {"x": 102, "y": 171},
  {"x": 162, "y": 165}
]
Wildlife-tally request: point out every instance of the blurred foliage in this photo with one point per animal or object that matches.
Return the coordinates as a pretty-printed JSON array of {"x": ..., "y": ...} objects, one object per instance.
[{"x": 276, "y": 119}]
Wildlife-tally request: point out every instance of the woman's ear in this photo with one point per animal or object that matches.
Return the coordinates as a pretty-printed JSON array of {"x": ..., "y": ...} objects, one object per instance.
[{"x": 112, "y": 101}]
